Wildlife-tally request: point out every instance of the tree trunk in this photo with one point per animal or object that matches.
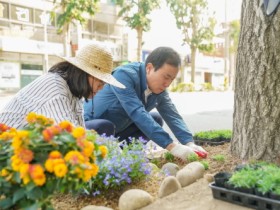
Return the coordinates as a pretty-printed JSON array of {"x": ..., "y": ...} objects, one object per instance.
[
  {"x": 193, "y": 54},
  {"x": 139, "y": 48},
  {"x": 256, "y": 118}
]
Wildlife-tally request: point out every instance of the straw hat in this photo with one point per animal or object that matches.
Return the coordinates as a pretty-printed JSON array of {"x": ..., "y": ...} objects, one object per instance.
[{"x": 96, "y": 60}]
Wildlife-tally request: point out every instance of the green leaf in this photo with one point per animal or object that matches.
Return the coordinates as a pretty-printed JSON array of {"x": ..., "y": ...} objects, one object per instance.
[
  {"x": 19, "y": 194},
  {"x": 35, "y": 194},
  {"x": 6, "y": 203},
  {"x": 34, "y": 206}
]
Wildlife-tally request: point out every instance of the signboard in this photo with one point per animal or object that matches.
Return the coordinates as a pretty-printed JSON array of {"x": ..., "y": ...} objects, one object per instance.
[{"x": 9, "y": 75}]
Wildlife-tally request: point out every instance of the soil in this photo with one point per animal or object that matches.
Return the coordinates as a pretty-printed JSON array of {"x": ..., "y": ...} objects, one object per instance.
[{"x": 195, "y": 196}]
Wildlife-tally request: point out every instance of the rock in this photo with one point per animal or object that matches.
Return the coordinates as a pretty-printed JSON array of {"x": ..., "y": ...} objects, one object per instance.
[
  {"x": 170, "y": 168},
  {"x": 190, "y": 173},
  {"x": 209, "y": 177},
  {"x": 186, "y": 177},
  {"x": 92, "y": 207},
  {"x": 134, "y": 199},
  {"x": 153, "y": 167},
  {"x": 197, "y": 167},
  {"x": 169, "y": 185}
]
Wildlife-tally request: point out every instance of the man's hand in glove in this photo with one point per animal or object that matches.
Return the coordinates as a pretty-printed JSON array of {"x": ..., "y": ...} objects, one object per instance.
[
  {"x": 197, "y": 149},
  {"x": 181, "y": 152}
]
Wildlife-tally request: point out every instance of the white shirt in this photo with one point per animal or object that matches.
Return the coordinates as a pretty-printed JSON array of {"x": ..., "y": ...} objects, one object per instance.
[
  {"x": 48, "y": 95},
  {"x": 147, "y": 92}
]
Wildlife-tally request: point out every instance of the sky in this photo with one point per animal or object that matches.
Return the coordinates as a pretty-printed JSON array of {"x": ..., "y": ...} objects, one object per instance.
[{"x": 164, "y": 31}]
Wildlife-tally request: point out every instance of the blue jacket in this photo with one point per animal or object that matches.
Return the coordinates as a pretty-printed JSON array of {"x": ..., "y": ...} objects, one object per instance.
[{"x": 126, "y": 106}]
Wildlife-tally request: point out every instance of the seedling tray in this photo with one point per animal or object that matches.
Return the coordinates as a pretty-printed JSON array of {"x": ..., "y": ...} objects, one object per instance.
[{"x": 244, "y": 199}]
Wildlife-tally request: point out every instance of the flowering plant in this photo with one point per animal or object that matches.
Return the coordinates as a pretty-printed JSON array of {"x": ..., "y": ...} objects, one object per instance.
[
  {"x": 43, "y": 159},
  {"x": 121, "y": 167}
]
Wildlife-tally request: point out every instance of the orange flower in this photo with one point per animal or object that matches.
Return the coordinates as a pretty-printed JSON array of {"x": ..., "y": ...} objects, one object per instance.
[
  {"x": 79, "y": 132},
  {"x": 103, "y": 149},
  {"x": 37, "y": 174},
  {"x": 50, "y": 132},
  {"x": 25, "y": 155},
  {"x": 65, "y": 125},
  {"x": 74, "y": 157},
  {"x": 55, "y": 155}
]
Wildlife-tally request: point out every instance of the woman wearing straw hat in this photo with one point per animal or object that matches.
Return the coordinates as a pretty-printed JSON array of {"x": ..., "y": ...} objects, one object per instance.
[{"x": 58, "y": 94}]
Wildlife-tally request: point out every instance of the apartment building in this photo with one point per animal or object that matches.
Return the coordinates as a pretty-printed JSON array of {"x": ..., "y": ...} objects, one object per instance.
[{"x": 29, "y": 41}]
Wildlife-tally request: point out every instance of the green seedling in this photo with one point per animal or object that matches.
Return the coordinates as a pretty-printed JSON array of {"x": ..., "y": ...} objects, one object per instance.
[
  {"x": 192, "y": 157},
  {"x": 169, "y": 157},
  {"x": 219, "y": 158},
  {"x": 205, "y": 164}
]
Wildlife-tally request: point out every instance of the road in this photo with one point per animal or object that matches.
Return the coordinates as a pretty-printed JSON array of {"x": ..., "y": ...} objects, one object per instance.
[{"x": 200, "y": 110}]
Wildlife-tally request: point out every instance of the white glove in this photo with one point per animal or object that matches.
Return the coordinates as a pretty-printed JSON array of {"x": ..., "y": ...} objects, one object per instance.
[
  {"x": 181, "y": 151},
  {"x": 195, "y": 147}
]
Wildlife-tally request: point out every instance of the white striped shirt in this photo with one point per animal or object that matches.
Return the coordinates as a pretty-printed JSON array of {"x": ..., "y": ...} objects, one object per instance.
[{"x": 48, "y": 95}]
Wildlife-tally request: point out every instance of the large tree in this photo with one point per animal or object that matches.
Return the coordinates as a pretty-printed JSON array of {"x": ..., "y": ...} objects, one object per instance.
[
  {"x": 136, "y": 14},
  {"x": 197, "y": 27},
  {"x": 256, "y": 119},
  {"x": 68, "y": 12}
]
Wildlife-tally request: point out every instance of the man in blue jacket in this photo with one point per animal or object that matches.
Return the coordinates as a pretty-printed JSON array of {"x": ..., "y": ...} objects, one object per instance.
[{"x": 129, "y": 109}]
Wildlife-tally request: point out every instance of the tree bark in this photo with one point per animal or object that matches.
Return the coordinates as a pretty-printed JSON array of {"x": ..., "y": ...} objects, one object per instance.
[
  {"x": 193, "y": 54},
  {"x": 256, "y": 118},
  {"x": 139, "y": 47}
]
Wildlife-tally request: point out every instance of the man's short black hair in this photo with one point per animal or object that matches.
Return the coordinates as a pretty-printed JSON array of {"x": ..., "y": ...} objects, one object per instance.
[
  {"x": 161, "y": 55},
  {"x": 76, "y": 79}
]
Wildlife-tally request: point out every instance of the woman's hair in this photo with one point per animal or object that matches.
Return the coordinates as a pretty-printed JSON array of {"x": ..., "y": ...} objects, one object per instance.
[
  {"x": 162, "y": 55},
  {"x": 76, "y": 78}
]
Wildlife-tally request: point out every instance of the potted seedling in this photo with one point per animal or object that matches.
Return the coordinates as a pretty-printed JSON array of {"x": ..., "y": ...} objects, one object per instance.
[
  {"x": 212, "y": 137},
  {"x": 245, "y": 180},
  {"x": 222, "y": 178}
]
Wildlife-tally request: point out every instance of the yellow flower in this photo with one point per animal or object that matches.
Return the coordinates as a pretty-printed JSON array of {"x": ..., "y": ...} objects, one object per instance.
[
  {"x": 4, "y": 172},
  {"x": 5, "y": 136},
  {"x": 31, "y": 117},
  {"x": 79, "y": 132},
  {"x": 88, "y": 148},
  {"x": 60, "y": 170},
  {"x": 40, "y": 180},
  {"x": 49, "y": 165},
  {"x": 94, "y": 169},
  {"x": 16, "y": 163},
  {"x": 24, "y": 173},
  {"x": 103, "y": 149}
]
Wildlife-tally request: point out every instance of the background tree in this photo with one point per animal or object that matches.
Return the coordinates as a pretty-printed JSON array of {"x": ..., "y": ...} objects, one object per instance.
[
  {"x": 197, "y": 27},
  {"x": 135, "y": 13},
  {"x": 234, "y": 31},
  {"x": 256, "y": 119},
  {"x": 68, "y": 12}
]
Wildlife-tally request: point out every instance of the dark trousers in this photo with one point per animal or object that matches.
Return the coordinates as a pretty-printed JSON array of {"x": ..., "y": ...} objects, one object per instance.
[
  {"x": 101, "y": 126},
  {"x": 134, "y": 131}
]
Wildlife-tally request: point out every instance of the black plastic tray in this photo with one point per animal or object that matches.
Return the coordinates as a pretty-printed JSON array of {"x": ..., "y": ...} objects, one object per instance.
[{"x": 244, "y": 199}]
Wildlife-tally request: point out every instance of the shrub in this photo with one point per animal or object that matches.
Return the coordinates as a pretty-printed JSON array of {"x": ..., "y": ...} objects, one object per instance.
[{"x": 43, "y": 159}]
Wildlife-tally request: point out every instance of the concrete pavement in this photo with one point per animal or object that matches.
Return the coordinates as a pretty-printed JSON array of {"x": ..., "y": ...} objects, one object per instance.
[{"x": 200, "y": 110}]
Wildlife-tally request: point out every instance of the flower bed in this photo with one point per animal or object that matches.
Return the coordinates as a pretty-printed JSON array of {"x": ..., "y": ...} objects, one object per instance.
[{"x": 43, "y": 159}]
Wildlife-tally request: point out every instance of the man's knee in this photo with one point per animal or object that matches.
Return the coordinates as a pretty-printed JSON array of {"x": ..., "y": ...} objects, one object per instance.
[{"x": 101, "y": 126}]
